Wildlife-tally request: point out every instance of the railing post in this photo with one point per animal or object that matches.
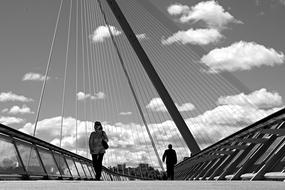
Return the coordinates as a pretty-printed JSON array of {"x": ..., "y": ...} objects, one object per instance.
[
  {"x": 232, "y": 165},
  {"x": 272, "y": 160},
  {"x": 26, "y": 175},
  {"x": 225, "y": 162}
]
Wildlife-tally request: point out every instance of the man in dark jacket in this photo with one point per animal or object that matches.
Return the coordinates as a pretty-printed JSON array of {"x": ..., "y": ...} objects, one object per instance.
[{"x": 171, "y": 160}]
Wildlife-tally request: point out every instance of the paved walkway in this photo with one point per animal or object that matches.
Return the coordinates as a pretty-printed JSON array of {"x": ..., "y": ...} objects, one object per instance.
[{"x": 142, "y": 185}]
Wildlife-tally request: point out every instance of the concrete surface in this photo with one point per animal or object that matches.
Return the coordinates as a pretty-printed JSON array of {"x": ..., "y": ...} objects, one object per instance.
[{"x": 142, "y": 185}]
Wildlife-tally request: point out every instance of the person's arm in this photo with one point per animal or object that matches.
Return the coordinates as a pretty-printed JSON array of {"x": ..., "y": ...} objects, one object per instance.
[
  {"x": 164, "y": 155},
  {"x": 175, "y": 157},
  {"x": 90, "y": 141},
  {"x": 105, "y": 137}
]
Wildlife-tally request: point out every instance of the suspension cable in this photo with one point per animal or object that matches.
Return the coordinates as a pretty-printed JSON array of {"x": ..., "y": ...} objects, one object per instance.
[
  {"x": 83, "y": 68},
  {"x": 88, "y": 73},
  {"x": 130, "y": 84},
  {"x": 47, "y": 68},
  {"x": 76, "y": 78},
  {"x": 65, "y": 73}
]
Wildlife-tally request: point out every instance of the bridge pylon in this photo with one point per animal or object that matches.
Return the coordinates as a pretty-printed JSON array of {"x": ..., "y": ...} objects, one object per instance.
[{"x": 155, "y": 79}]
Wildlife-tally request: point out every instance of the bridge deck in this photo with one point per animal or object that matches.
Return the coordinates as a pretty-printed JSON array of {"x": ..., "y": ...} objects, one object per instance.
[{"x": 146, "y": 185}]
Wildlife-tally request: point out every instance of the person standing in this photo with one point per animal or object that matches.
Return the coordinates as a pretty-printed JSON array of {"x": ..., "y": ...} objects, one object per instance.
[
  {"x": 96, "y": 148},
  {"x": 171, "y": 160}
]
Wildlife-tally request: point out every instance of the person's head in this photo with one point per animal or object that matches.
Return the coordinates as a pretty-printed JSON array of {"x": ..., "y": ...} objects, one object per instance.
[
  {"x": 98, "y": 126},
  {"x": 170, "y": 146}
]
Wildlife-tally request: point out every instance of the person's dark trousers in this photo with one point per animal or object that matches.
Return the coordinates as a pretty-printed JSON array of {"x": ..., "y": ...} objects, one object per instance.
[
  {"x": 97, "y": 164},
  {"x": 170, "y": 171}
]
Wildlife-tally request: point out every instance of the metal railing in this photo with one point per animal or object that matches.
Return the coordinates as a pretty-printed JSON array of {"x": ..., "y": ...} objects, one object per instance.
[
  {"x": 26, "y": 157},
  {"x": 254, "y": 153}
]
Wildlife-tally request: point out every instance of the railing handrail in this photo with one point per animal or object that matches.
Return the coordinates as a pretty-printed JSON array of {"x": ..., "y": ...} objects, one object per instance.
[{"x": 258, "y": 124}]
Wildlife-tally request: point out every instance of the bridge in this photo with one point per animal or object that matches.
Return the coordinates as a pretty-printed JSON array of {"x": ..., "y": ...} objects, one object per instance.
[{"x": 149, "y": 91}]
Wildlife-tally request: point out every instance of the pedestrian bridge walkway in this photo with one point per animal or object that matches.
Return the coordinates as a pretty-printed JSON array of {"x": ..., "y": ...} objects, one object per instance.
[
  {"x": 149, "y": 71},
  {"x": 146, "y": 185}
]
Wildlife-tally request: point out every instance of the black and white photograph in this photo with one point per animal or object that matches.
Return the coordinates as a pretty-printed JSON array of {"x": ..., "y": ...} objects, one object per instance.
[{"x": 142, "y": 94}]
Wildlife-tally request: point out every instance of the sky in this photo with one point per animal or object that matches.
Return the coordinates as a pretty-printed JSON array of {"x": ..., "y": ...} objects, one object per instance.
[{"x": 221, "y": 61}]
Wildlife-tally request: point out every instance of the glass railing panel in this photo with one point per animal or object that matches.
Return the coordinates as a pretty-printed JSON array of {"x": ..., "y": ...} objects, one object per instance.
[
  {"x": 232, "y": 161},
  {"x": 63, "y": 168},
  {"x": 275, "y": 126},
  {"x": 108, "y": 176},
  {"x": 280, "y": 165},
  {"x": 9, "y": 159},
  {"x": 87, "y": 172},
  {"x": 269, "y": 150},
  {"x": 282, "y": 162},
  {"x": 104, "y": 176},
  {"x": 91, "y": 171},
  {"x": 283, "y": 159},
  {"x": 72, "y": 167},
  {"x": 30, "y": 158},
  {"x": 48, "y": 162},
  {"x": 251, "y": 152},
  {"x": 80, "y": 169}
]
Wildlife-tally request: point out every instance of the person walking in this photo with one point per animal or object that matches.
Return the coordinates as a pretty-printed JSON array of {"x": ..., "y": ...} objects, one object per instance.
[
  {"x": 96, "y": 147},
  {"x": 171, "y": 160}
]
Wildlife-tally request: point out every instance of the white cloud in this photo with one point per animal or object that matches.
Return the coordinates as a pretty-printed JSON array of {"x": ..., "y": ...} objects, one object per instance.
[
  {"x": 34, "y": 77},
  {"x": 231, "y": 114},
  {"x": 141, "y": 37},
  {"x": 10, "y": 96},
  {"x": 18, "y": 110},
  {"x": 83, "y": 96},
  {"x": 10, "y": 120},
  {"x": 178, "y": 9},
  {"x": 185, "y": 107},
  {"x": 241, "y": 56},
  {"x": 128, "y": 141},
  {"x": 121, "y": 136},
  {"x": 209, "y": 12},
  {"x": 128, "y": 146},
  {"x": 99, "y": 95},
  {"x": 67, "y": 142},
  {"x": 192, "y": 36},
  {"x": 49, "y": 129},
  {"x": 102, "y": 32},
  {"x": 126, "y": 113},
  {"x": 156, "y": 104},
  {"x": 223, "y": 121},
  {"x": 261, "y": 99}
]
